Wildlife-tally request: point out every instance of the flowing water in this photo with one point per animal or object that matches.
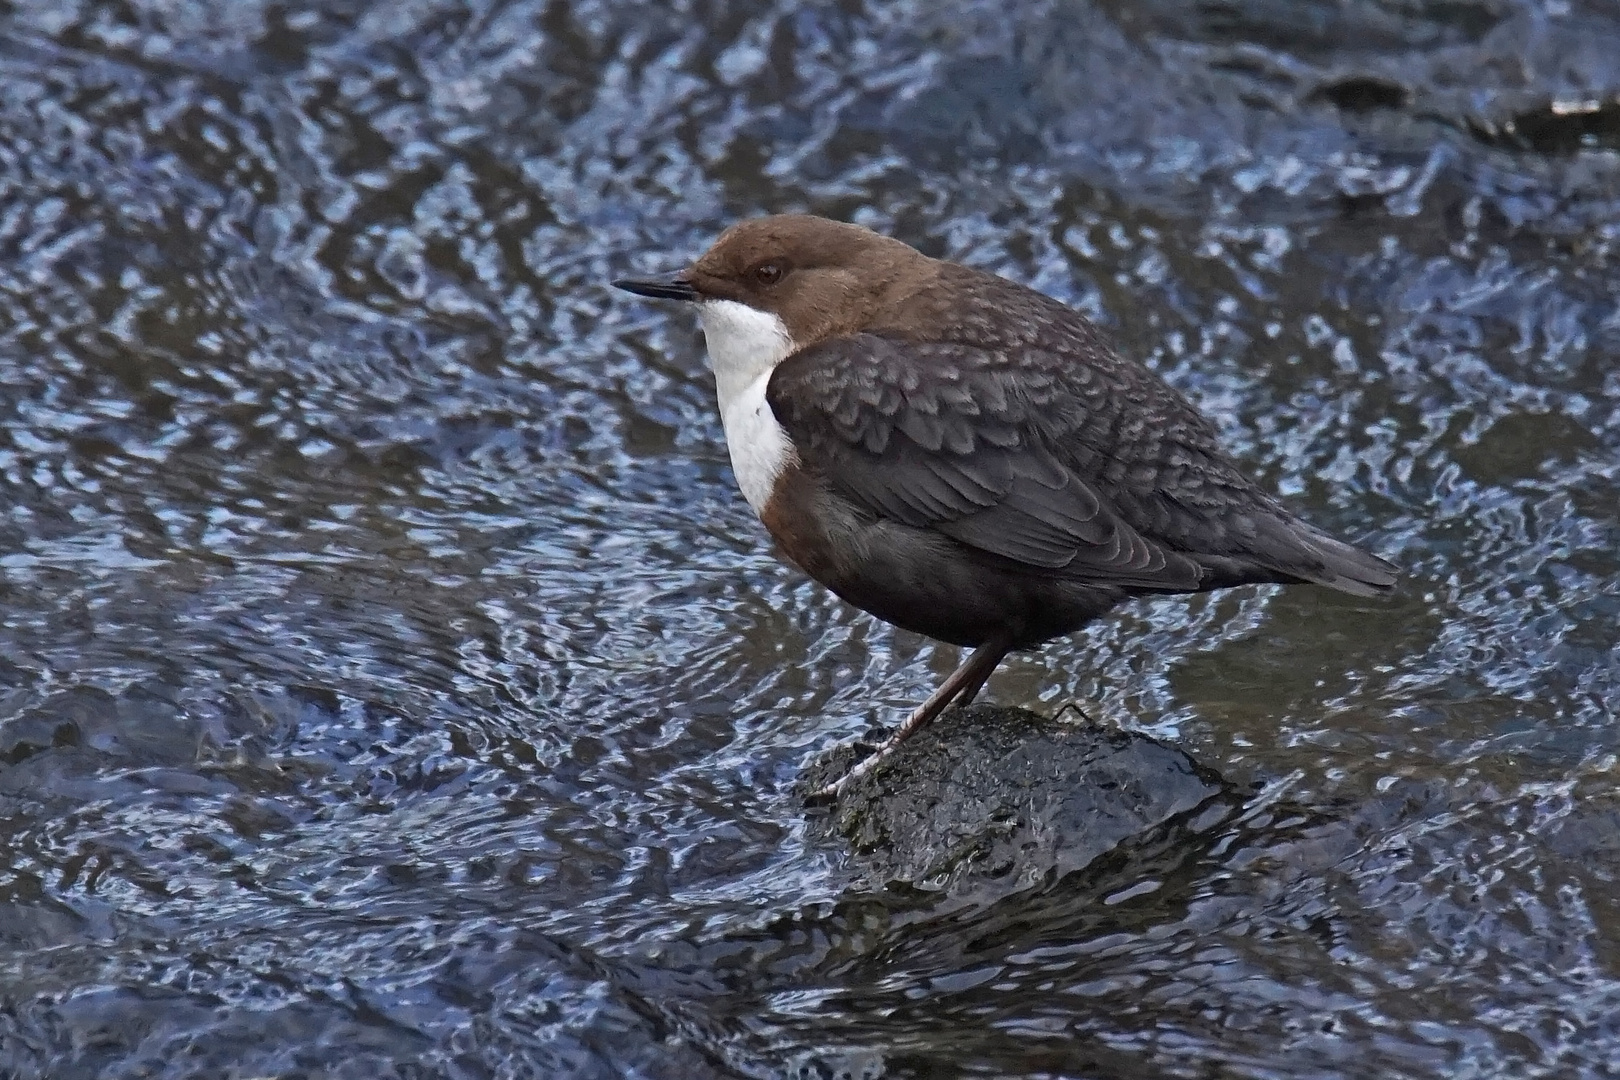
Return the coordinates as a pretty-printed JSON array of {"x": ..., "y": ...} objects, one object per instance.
[{"x": 392, "y": 682}]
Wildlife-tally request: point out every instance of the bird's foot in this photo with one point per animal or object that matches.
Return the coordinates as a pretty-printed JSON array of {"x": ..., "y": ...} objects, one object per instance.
[{"x": 829, "y": 794}]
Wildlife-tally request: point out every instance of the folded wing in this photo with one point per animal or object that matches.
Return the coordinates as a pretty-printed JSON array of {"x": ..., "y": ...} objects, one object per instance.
[{"x": 1028, "y": 457}]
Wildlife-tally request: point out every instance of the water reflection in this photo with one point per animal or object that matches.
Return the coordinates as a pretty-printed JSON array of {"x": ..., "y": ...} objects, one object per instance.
[{"x": 390, "y": 676}]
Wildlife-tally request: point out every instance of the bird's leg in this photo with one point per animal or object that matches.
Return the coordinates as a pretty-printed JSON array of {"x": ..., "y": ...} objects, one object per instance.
[
  {"x": 960, "y": 686},
  {"x": 970, "y": 688}
]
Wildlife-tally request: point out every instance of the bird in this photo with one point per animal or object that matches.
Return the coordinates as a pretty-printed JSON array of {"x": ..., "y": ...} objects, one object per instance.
[{"x": 965, "y": 457}]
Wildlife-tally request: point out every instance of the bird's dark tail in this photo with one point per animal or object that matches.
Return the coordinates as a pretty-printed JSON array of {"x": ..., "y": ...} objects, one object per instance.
[{"x": 1345, "y": 568}]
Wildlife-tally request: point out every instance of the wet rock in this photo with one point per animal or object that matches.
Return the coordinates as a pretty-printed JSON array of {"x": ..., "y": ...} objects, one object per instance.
[{"x": 996, "y": 799}]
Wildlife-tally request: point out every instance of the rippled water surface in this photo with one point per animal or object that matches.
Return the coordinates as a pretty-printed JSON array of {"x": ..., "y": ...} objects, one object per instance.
[{"x": 392, "y": 682}]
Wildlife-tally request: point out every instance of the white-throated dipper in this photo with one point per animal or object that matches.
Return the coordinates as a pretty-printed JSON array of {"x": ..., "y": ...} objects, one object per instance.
[{"x": 965, "y": 457}]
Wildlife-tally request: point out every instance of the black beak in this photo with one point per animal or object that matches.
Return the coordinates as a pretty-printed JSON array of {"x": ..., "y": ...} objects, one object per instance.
[{"x": 668, "y": 287}]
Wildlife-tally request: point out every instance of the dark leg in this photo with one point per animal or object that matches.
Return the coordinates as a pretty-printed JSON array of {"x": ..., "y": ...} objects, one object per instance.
[
  {"x": 970, "y": 689},
  {"x": 961, "y": 686}
]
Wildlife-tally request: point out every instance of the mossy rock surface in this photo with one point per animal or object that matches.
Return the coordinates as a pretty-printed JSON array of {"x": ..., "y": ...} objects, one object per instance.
[{"x": 1000, "y": 799}]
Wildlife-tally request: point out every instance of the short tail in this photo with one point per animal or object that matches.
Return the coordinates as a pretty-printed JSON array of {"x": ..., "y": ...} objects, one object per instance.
[{"x": 1345, "y": 568}]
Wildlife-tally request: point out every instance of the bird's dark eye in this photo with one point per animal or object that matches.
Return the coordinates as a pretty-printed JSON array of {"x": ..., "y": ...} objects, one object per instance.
[{"x": 768, "y": 273}]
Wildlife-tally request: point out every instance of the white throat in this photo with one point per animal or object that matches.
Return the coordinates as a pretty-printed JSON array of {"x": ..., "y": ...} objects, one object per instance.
[{"x": 745, "y": 345}]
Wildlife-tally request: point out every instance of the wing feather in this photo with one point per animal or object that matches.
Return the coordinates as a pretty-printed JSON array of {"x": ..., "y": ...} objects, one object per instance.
[
  {"x": 953, "y": 455},
  {"x": 1023, "y": 436}
]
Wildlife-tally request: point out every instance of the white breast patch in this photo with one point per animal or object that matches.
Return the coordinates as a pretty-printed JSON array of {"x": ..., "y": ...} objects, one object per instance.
[{"x": 745, "y": 345}]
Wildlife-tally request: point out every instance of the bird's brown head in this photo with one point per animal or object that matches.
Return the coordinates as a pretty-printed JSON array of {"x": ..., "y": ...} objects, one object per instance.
[{"x": 822, "y": 278}]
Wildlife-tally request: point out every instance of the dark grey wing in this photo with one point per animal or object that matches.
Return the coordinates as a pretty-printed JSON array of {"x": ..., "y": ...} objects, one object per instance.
[
  {"x": 956, "y": 452},
  {"x": 1096, "y": 470}
]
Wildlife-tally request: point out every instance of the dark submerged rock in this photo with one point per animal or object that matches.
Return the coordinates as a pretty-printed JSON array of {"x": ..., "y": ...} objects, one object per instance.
[{"x": 999, "y": 799}]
